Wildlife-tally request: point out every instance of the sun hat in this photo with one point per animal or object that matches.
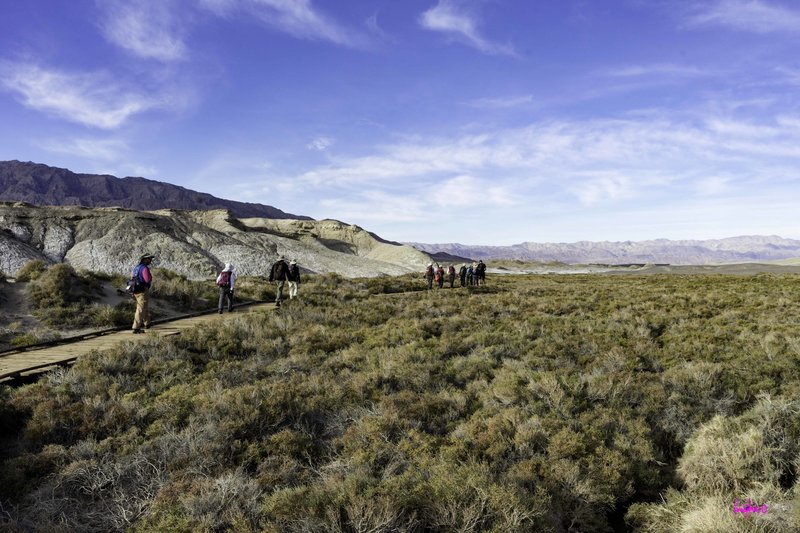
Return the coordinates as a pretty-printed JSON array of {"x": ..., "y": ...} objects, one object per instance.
[
  {"x": 228, "y": 267},
  {"x": 146, "y": 256}
]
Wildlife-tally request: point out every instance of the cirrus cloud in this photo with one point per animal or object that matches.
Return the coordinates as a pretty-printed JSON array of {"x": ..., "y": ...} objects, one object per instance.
[
  {"x": 455, "y": 19},
  {"x": 93, "y": 99}
]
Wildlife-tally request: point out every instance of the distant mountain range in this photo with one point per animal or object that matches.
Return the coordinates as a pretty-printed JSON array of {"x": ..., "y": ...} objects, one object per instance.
[
  {"x": 44, "y": 185},
  {"x": 687, "y": 252}
]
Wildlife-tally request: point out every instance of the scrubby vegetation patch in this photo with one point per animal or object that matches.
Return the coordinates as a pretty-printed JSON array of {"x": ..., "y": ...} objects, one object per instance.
[{"x": 538, "y": 404}]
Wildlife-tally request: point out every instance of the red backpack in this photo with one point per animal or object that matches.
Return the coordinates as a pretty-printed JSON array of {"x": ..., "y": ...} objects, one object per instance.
[{"x": 224, "y": 279}]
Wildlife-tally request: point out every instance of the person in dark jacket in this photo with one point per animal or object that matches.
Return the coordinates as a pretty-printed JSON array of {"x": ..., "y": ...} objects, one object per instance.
[
  {"x": 294, "y": 278},
  {"x": 471, "y": 275},
  {"x": 142, "y": 279},
  {"x": 429, "y": 274},
  {"x": 280, "y": 275},
  {"x": 462, "y": 274},
  {"x": 451, "y": 275},
  {"x": 480, "y": 272}
]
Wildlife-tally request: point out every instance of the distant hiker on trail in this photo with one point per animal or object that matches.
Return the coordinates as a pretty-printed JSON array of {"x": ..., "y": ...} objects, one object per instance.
[
  {"x": 429, "y": 273},
  {"x": 481, "y": 273},
  {"x": 141, "y": 280},
  {"x": 462, "y": 274},
  {"x": 280, "y": 275},
  {"x": 440, "y": 276},
  {"x": 471, "y": 275},
  {"x": 225, "y": 282},
  {"x": 294, "y": 279},
  {"x": 451, "y": 275}
]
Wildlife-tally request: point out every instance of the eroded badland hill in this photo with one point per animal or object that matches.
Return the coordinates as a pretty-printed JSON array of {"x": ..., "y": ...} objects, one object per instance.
[{"x": 193, "y": 243}]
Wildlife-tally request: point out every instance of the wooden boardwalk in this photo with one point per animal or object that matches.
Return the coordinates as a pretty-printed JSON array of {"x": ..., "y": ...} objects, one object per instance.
[{"x": 19, "y": 363}]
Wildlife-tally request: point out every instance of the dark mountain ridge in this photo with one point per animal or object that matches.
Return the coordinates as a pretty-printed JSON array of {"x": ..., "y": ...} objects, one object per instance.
[{"x": 44, "y": 185}]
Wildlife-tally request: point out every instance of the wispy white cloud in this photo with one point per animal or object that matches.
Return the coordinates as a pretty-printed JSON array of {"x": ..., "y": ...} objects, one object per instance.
[
  {"x": 91, "y": 149},
  {"x": 320, "y": 144},
  {"x": 376, "y": 206},
  {"x": 713, "y": 186},
  {"x": 602, "y": 162},
  {"x": 756, "y": 16},
  {"x": 597, "y": 187},
  {"x": 454, "y": 18},
  {"x": 149, "y": 29},
  {"x": 469, "y": 191},
  {"x": 503, "y": 102},
  {"x": 657, "y": 69},
  {"x": 299, "y": 18},
  {"x": 92, "y": 99}
]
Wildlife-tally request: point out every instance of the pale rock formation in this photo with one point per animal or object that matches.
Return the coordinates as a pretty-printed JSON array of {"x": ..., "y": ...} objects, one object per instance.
[{"x": 193, "y": 243}]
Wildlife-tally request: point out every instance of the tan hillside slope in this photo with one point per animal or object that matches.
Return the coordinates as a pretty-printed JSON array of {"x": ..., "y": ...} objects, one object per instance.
[{"x": 193, "y": 243}]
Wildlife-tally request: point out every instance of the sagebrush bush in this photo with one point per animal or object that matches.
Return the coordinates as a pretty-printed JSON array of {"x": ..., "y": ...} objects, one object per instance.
[
  {"x": 30, "y": 270},
  {"x": 753, "y": 457}
]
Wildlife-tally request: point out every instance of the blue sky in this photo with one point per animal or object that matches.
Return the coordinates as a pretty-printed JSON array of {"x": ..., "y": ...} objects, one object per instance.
[{"x": 472, "y": 121}]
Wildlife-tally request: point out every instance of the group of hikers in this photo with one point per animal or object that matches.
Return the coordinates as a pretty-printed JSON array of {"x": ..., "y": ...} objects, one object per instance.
[
  {"x": 469, "y": 275},
  {"x": 142, "y": 279},
  {"x": 281, "y": 273}
]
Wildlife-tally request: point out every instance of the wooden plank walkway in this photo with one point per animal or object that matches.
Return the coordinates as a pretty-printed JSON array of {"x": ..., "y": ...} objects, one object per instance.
[{"x": 32, "y": 361}]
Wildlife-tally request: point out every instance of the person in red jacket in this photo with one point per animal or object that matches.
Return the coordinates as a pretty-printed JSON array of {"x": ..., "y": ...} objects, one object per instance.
[{"x": 440, "y": 276}]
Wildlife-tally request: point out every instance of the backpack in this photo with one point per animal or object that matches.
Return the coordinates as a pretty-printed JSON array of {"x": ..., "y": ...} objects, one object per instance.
[
  {"x": 135, "y": 284},
  {"x": 224, "y": 279}
]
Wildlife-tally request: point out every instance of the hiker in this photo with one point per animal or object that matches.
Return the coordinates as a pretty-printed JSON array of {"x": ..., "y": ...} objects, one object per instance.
[
  {"x": 451, "y": 275},
  {"x": 142, "y": 280},
  {"x": 294, "y": 279},
  {"x": 440, "y": 276},
  {"x": 225, "y": 282},
  {"x": 280, "y": 275},
  {"x": 471, "y": 275},
  {"x": 481, "y": 273},
  {"x": 462, "y": 274},
  {"x": 429, "y": 275}
]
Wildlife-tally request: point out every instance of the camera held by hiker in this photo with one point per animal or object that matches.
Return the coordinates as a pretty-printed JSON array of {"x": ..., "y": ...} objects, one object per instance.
[{"x": 225, "y": 282}]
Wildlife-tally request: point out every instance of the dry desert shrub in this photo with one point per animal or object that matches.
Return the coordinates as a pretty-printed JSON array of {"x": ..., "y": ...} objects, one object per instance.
[
  {"x": 750, "y": 458},
  {"x": 542, "y": 403}
]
